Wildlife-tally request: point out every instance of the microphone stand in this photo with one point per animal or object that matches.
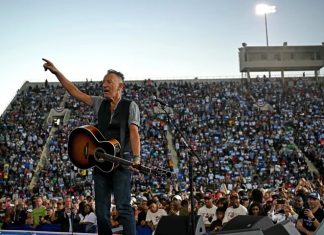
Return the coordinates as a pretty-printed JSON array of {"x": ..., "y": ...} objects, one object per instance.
[{"x": 192, "y": 153}]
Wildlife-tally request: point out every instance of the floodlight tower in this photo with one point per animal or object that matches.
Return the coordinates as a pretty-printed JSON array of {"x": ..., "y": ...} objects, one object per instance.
[{"x": 264, "y": 9}]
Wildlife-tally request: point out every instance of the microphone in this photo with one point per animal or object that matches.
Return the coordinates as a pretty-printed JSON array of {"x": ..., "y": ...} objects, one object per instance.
[{"x": 159, "y": 101}]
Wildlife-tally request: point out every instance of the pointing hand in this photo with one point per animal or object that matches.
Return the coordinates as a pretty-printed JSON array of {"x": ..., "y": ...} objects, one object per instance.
[{"x": 50, "y": 66}]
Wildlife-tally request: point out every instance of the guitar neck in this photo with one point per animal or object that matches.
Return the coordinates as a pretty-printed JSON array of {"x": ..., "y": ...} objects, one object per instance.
[{"x": 141, "y": 168}]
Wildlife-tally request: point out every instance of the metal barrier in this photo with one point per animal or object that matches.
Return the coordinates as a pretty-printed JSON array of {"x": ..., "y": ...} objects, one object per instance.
[{"x": 27, "y": 232}]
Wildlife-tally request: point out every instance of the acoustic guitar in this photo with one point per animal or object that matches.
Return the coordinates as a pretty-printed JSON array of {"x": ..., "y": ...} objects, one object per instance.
[{"x": 88, "y": 148}]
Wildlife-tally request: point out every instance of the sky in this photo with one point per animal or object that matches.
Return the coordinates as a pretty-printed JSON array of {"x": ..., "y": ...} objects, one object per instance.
[{"x": 142, "y": 38}]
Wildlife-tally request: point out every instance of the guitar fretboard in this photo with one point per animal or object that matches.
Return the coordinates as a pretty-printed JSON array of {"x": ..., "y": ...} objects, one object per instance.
[{"x": 143, "y": 169}]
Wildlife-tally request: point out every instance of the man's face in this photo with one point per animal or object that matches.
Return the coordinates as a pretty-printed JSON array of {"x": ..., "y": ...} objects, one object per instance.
[
  {"x": 255, "y": 210},
  {"x": 208, "y": 202},
  {"x": 313, "y": 203},
  {"x": 112, "y": 85},
  {"x": 245, "y": 203},
  {"x": 143, "y": 205},
  {"x": 235, "y": 201},
  {"x": 153, "y": 208},
  {"x": 220, "y": 215},
  {"x": 299, "y": 203},
  {"x": 68, "y": 202},
  {"x": 39, "y": 202}
]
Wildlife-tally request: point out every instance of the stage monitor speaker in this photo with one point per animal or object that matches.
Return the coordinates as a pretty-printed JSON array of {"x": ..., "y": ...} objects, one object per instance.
[
  {"x": 179, "y": 225},
  {"x": 320, "y": 229},
  {"x": 242, "y": 222},
  {"x": 283, "y": 228}
]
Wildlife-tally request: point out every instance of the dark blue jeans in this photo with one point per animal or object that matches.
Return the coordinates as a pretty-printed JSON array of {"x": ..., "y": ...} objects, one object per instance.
[{"x": 117, "y": 182}]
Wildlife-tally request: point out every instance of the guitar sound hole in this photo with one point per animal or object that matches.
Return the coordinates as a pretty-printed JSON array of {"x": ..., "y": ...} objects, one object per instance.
[
  {"x": 85, "y": 151},
  {"x": 99, "y": 155}
]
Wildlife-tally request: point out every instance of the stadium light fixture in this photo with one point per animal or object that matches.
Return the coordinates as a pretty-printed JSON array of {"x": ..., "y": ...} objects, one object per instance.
[{"x": 264, "y": 9}]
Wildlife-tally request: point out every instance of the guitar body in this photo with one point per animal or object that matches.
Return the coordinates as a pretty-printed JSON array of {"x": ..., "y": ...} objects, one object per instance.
[{"x": 85, "y": 143}]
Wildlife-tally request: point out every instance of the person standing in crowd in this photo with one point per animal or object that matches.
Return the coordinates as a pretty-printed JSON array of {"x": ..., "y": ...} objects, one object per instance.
[
  {"x": 256, "y": 196},
  {"x": 256, "y": 209},
  {"x": 68, "y": 217},
  {"x": 29, "y": 217},
  {"x": 208, "y": 211},
  {"x": 175, "y": 206},
  {"x": 245, "y": 201},
  {"x": 114, "y": 217},
  {"x": 89, "y": 220},
  {"x": 49, "y": 218},
  {"x": 222, "y": 202},
  {"x": 184, "y": 210},
  {"x": 39, "y": 211},
  {"x": 154, "y": 214},
  {"x": 217, "y": 224},
  {"x": 277, "y": 213},
  {"x": 118, "y": 118},
  {"x": 309, "y": 219},
  {"x": 298, "y": 204},
  {"x": 20, "y": 214},
  {"x": 143, "y": 208},
  {"x": 290, "y": 214},
  {"x": 235, "y": 209}
]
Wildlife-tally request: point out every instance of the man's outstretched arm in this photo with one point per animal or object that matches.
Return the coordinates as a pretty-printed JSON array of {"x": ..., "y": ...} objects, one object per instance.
[{"x": 68, "y": 85}]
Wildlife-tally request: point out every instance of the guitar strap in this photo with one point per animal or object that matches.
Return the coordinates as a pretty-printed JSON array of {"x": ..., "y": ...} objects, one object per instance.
[
  {"x": 124, "y": 111},
  {"x": 103, "y": 121}
]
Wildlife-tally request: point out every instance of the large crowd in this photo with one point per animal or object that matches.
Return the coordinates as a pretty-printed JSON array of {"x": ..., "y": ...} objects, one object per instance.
[{"x": 242, "y": 136}]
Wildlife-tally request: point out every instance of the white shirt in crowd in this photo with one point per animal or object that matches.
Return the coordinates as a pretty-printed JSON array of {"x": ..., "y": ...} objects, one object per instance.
[
  {"x": 207, "y": 213},
  {"x": 89, "y": 218},
  {"x": 155, "y": 217},
  {"x": 231, "y": 212}
]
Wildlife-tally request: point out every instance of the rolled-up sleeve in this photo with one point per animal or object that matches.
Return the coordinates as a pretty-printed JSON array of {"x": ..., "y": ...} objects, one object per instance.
[{"x": 134, "y": 114}]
